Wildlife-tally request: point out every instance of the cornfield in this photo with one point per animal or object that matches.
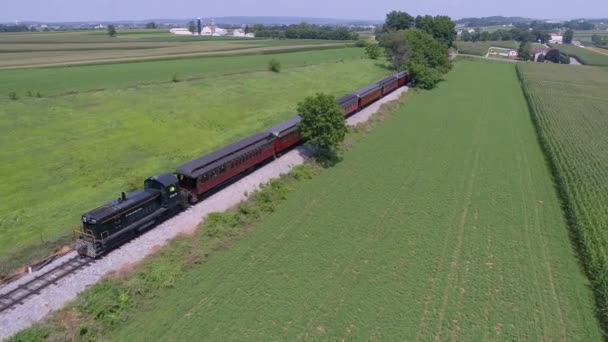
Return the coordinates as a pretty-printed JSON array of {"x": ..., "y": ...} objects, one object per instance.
[{"x": 570, "y": 111}]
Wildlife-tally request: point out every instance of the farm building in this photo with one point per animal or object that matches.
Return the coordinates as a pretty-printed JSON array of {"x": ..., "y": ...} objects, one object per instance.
[
  {"x": 556, "y": 39},
  {"x": 180, "y": 30}
]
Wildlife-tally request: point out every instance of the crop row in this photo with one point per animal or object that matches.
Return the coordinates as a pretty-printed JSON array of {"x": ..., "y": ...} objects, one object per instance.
[{"x": 571, "y": 118}]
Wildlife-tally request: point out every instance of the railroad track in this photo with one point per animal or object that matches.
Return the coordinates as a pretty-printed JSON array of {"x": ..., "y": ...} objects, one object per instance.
[{"x": 33, "y": 287}]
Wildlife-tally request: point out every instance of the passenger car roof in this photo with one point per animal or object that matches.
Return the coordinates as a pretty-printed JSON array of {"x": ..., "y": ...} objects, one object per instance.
[{"x": 198, "y": 167}]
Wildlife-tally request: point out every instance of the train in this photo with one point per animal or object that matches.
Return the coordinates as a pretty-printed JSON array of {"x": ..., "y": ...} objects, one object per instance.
[{"x": 167, "y": 194}]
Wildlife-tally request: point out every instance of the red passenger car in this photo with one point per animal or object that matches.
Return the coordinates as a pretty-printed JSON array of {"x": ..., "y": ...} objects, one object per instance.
[
  {"x": 388, "y": 85},
  {"x": 215, "y": 169},
  {"x": 287, "y": 135},
  {"x": 349, "y": 104},
  {"x": 368, "y": 95},
  {"x": 402, "y": 78}
]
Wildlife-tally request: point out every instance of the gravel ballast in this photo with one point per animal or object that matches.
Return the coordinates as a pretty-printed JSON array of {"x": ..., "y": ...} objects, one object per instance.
[{"x": 56, "y": 296}]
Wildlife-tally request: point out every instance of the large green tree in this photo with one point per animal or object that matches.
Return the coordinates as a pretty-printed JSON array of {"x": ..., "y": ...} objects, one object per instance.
[
  {"x": 397, "y": 20},
  {"x": 440, "y": 27},
  {"x": 322, "y": 125},
  {"x": 417, "y": 51}
]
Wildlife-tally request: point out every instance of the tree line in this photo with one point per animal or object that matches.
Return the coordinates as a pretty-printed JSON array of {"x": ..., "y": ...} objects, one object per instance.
[
  {"x": 517, "y": 33},
  {"x": 304, "y": 31},
  {"x": 16, "y": 28}
]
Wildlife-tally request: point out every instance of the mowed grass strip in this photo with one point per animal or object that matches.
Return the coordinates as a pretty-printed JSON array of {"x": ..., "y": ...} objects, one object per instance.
[
  {"x": 481, "y": 48},
  {"x": 66, "y": 155},
  {"x": 442, "y": 224},
  {"x": 61, "y": 80},
  {"x": 571, "y": 109}
]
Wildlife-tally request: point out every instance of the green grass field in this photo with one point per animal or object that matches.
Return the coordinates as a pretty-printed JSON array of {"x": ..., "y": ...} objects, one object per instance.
[
  {"x": 585, "y": 56},
  {"x": 57, "y": 81},
  {"x": 481, "y": 48},
  {"x": 443, "y": 224},
  {"x": 65, "y": 155},
  {"x": 77, "y": 48},
  {"x": 571, "y": 107},
  {"x": 585, "y": 36}
]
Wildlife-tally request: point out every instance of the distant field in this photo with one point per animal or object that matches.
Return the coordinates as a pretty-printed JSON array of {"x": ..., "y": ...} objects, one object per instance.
[
  {"x": 443, "y": 224},
  {"x": 74, "y": 48},
  {"x": 585, "y": 36},
  {"x": 571, "y": 106},
  {"x": 62, "y": 156},
  {"x": 585, "y": 56},
  {"x": 65, "y": 80},
  {"x": 481, "y": 48}
]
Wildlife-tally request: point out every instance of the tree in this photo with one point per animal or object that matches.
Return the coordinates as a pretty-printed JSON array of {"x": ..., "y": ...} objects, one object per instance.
[
  {"x": 541, "y": 58},
  {"x": 465, "y": 36},
  {"x": 372, "y": 51},
  {"x": 442, "y": 28},
  {"x": 524, "y": 51},
  {"x": 484, "y": 36},
  {"x": 397, "y": 20},
  {"x": 552, "y": 56},
  {"x": 151, "y": 25},
  {"x": 396, "y": 50},
  {"x": 192, "y": 26},
  {"x": 425, "y": 77},
  {"x": 111, "y": 31},
  {"x": 568, "y": 37},
  {"x": 419, "y": 52},
  {"x": 274, "y": 65},
  {"x": 322, "y": 125}
]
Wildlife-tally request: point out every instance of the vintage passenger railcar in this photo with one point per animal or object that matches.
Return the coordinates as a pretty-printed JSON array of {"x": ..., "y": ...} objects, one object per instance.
[
  {"x": 287, "y": 135},
  {"x": 349, "y": 104},
  {"x": 213, "y": 170},
  {"x": 111, "y": 224},
  {"x": 388, "y": 84},
  {"x": 368, "y": 95}
]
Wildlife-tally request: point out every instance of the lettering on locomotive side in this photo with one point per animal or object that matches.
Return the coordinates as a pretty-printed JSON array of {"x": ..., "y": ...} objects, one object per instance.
[{"x": 133, "y": 212}]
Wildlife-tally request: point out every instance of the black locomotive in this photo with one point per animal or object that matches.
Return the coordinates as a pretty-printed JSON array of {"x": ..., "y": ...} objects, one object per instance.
[{"x": 118, "y": 221}]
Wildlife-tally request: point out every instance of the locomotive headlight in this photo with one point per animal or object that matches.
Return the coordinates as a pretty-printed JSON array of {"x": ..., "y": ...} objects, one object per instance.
[{"x": 84, "y": 219}]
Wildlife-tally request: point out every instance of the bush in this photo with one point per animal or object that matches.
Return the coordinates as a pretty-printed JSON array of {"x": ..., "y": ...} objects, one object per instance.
[
  {"x": 274, "y": 65},
  {"x": 361, "y": 43},
  {"x": 372, "y": 51},
  {"x": 541, "y": 58},
  {"x": 423, "y": 76},
  {"x": 13, "y": 96}
]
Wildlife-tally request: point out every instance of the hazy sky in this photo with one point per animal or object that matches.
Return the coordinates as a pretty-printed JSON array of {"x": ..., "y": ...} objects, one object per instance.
[{"x": 79, "y": 10}]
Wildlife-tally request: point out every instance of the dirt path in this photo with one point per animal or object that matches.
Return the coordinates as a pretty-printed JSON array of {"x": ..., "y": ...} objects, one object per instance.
[{"x": 56, "y": 296}]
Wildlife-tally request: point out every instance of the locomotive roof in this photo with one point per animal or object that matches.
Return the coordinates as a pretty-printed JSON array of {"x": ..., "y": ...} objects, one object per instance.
[
  {"x": 165, "y": 179},
  {"x": 346, "y": 98},
  {"x": 389, "y": 79},
  {"x": 110, "y": 209},
  {"x": 285, "y": 127},
  {"x": 198, "y": 167},
  {"x": 367, "y": 90}
]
